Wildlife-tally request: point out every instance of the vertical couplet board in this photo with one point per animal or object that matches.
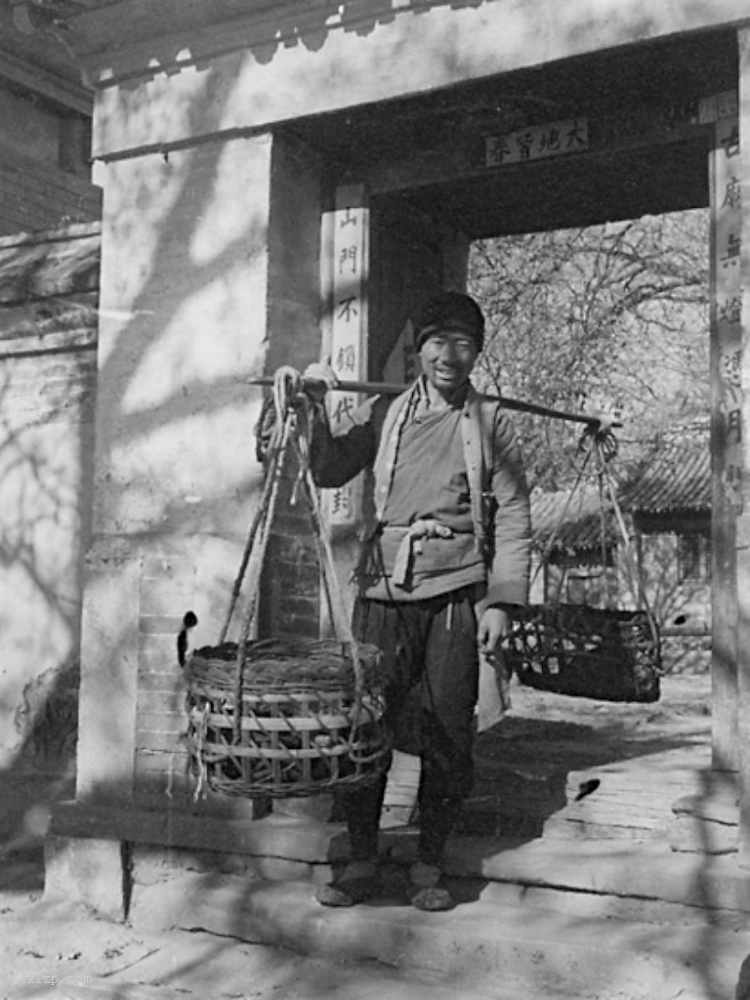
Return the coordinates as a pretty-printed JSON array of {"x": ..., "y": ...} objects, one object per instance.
[
  {"x": 726, "y": 445},
  {"x": 347, "y": 229},
  {"x": 741, "y": 173},
  {"x": 348, "y": 328}
]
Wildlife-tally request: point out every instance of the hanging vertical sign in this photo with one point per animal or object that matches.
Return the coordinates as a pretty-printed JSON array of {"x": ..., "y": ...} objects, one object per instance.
[
  {"x": 348, "y": 330},
  {"x": 727, "y": 227}
]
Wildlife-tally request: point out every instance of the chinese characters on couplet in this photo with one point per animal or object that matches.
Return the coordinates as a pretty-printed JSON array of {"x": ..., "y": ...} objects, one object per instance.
[
  {"x": 347, "y": 217},
  {"x": 347, "y": 309},
  {"x": 347, "y": 352},
  {"x": 732, "y": 193},
  {"x": 731, "y": 480},
  {"x": 732, "y": 203},
  {"x": 348, "y": 260},
  {"x": 730, "y": 373},
  {"x": 348, "y": 284},
  {"x": 730, "y": 141},
  {"x": 727, "y": 332},
  {"x": 342, "y": 408},
  {"x": 731, "y": 255},
  {"x": 345, "y": 362},
  {"x": 537, "y": 142},
  {"x": 734, "y": 426},
  {"x": 730, "y": 310}
]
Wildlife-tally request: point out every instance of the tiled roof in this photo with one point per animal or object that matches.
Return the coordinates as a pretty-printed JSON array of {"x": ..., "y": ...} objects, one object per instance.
[
  {"x": 57, "y": 262},
  {"x": 574, "y": 521},
  {"x": 678, "y": 479}
]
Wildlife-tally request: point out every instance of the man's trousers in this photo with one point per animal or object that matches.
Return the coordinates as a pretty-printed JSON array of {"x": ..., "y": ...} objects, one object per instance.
[{"x": 429, "y": 651}]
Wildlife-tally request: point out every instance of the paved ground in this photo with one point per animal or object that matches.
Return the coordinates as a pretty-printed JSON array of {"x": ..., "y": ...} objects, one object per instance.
[
  {"x": 49, "y": 951},
  {"x": 46, "y": 951}
]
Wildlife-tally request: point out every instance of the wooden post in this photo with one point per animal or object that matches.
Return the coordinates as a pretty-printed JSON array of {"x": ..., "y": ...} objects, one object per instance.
[{"x": 741, "y": 178}]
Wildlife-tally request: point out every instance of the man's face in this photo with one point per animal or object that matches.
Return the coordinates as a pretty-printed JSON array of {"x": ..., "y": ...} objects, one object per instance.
[{"x": 447, "y": 359}]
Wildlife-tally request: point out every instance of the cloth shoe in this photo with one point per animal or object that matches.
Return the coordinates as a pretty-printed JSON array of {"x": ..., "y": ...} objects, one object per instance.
[
  {"x": 358, "y": 882},
  {"x": 428, "y": 893}
]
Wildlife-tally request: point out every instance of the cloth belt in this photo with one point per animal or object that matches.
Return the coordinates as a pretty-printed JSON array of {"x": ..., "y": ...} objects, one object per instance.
[{"x": 411, "y": 544}]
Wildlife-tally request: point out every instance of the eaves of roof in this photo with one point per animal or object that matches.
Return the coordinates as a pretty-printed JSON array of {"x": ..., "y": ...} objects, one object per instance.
[
  {"x": 678, "y": 479},
  {"x": 572, "y": 522}
]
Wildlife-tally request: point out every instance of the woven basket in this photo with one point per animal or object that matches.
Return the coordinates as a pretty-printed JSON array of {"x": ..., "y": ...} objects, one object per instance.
[
  {"x": 586, "y": 652},
  {"x": 304, "y": 728}
]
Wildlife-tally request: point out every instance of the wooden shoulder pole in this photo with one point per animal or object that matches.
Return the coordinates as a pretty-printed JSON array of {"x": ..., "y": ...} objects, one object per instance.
[{"x": 391, "y": 389}]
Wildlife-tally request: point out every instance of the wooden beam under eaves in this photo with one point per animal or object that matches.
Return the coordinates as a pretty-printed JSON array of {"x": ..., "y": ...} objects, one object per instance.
[{"x": 47, "y": 85}]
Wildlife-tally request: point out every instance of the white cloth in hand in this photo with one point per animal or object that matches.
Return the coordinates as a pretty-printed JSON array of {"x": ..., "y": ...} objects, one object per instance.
[{"x": 317, "y": 379}]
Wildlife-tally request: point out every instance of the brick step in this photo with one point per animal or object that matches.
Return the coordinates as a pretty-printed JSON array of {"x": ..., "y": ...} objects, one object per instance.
[
  {"x": 283, "y": 847},
  {"x": 552, "y": 917},
  {"x": 598, "y": 878},
  {"x": 631, "y": 800}
]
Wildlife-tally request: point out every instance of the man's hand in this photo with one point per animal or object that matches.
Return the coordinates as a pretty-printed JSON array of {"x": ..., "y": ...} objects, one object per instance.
[
  {"x": 493, "y": 627},
  {"x": 317, "y": 379}
]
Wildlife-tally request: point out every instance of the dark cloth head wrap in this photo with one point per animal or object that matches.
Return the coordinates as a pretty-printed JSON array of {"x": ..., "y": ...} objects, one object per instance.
[{"x": 451, "y": 311}]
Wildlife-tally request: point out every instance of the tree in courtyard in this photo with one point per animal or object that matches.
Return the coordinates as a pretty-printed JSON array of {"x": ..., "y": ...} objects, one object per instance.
[{"x": 610, "y": 319}]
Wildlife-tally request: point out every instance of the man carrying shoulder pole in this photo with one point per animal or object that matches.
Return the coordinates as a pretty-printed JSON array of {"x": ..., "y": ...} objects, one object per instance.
[{"x": 446, "y": 550}]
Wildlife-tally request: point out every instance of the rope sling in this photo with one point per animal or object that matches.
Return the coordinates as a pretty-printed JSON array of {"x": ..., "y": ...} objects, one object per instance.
[
  {"x": 288, "y": 716},
  {"x": 590, "y": 652}
]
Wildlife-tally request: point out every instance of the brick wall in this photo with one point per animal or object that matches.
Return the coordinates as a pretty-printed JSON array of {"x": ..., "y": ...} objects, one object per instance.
[
  {"x": 166, "y": 592},
  {"x": 51, "y": 387},
  {"x": 48, "y": 336},
  {"x": 290, "y": 585},
  {"x": 35, "y": 197},
  {"x": 168, "y": 587},
  {"x": 290, "y": 591}
]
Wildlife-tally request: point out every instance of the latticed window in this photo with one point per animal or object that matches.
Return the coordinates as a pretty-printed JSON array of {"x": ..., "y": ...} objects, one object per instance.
[
  {"x": 586, "y": 587},
  {"x": 693, "y": 557}
]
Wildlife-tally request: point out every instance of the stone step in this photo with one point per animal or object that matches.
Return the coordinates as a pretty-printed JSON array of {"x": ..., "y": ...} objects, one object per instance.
[
  {"x": 611, "y": 871},
  {"x": 618, "y": 871},
  {"x": 603, "y": 878},
  {"x": 548, "y": 918},
  {"x": 485, "y": 946}
]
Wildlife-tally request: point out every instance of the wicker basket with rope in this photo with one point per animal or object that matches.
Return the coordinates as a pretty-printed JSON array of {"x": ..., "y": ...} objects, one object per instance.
[
  {"x": 293, "y": 716},
  {"x": 605, "y": 653}
]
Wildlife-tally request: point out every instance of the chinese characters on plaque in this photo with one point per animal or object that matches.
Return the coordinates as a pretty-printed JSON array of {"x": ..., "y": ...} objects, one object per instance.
[
  {"x": 574, "y": 135},
  {"x": 537, "y": 142}
]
